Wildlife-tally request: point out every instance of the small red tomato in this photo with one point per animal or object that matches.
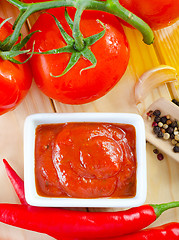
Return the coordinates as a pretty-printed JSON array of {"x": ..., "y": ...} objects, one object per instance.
[
  {"x": 15, "y": 79},
  {"x": 157, "y": 13},
  {"x": 76, "y": 86}
]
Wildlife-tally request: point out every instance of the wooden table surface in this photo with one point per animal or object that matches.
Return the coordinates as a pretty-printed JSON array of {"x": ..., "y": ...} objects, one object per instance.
[{"x": 162, "y": 176}]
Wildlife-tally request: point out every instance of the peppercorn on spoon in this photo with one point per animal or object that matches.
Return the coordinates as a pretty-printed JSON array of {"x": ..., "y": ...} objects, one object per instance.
[{"x": 162, "y": 128}]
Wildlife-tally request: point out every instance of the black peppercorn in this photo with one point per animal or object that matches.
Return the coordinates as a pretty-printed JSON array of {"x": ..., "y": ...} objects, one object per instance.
[
  {"x": 170, "y": 130},
  {"x": 157, "y": 119},
  {"x": 176, "y": 149},
  {"x": 176, "y": 102},
  {"x": 160, "y": 134},
  {"x": 163, "y": 119},
  {"x": 172, "y": 136},
  {"x": 173, "y": 124},
  {"x": 156, "y": 151},
  {"x": 156, "y": 129},
  {"x": 157, "y": 113}
]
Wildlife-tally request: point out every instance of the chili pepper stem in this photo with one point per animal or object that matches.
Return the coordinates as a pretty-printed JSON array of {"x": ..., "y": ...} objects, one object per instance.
[{"x": 160, "y": 208}]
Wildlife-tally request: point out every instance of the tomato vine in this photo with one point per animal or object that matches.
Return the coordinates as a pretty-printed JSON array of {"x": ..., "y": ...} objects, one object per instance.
[{"x": 110, "y": 6}]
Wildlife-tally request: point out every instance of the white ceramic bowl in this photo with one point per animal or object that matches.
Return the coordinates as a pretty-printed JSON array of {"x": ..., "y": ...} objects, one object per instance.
[{"x": 34, "y": 120}]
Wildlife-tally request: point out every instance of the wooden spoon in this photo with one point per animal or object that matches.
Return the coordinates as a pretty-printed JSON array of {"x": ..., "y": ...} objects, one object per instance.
[{"x": 167, "y": 108}]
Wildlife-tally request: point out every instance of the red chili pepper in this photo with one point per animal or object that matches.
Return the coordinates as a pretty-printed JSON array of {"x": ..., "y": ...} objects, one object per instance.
[
  {"x": 16, "y": 181},
  {"x": 169, "y": 231},
  {"x": 60, "y": 223}
]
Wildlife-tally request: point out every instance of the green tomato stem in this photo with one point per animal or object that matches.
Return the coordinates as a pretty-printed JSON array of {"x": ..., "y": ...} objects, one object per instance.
[
  {"x": 110, "y": 6},
  {"x": 17, "y": 19},
  {"x": 29, "y": 9},
  {"x": 18, "y": 4},
  {"x": 77, "y": 35},
  {"x": 115, "y": 8}
]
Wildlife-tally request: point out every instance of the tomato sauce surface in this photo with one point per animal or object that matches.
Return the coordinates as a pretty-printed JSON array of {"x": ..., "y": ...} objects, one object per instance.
[{"x": 85, "y": 160}]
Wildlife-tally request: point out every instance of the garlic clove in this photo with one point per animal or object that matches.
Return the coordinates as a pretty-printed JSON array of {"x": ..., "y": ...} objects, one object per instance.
[{"x": 152, "y": 79}]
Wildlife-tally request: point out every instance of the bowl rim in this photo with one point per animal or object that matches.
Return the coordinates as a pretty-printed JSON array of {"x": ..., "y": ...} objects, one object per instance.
[{"x": 33, "y": 120}]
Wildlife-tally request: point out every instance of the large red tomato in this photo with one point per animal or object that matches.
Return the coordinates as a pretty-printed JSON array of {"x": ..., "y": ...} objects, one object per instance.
[
  {"x": 15, "y": 79},
  {"x": 157, "y": 13},
  {"x": 76, "y": 87}
]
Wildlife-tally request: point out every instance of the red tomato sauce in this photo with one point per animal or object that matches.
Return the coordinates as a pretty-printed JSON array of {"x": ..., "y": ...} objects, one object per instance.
[{"x": 85, "y": 160}]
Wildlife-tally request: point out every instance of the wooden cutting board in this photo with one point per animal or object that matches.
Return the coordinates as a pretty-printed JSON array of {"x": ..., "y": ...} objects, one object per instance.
[{"x": 163, "y": 176}]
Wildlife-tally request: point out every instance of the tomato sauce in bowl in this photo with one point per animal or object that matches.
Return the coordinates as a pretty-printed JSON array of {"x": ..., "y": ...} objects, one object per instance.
[{"x": 85, "y": 160}]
